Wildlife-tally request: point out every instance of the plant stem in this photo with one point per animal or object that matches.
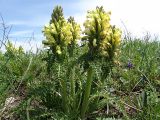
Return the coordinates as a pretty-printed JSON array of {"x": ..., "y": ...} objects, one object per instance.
[
  {"x": 64, "y": 90},
  {"x": 87, "y": 92},
  {"x": 64, "y": 95},
  {"x": 27, "y": 110},
  {"x": 72, "y": 83}
]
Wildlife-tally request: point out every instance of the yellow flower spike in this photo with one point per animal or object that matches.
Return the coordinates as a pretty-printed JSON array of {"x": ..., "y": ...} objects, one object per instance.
[
  {"x": 98, "y": 26},
  {"x": 117, "y": 36}
]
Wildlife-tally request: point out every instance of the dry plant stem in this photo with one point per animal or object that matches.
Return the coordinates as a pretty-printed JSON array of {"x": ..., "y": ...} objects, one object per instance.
[
  {"x": 5, "y": 32},
  {"x": 131, "y": 106}
]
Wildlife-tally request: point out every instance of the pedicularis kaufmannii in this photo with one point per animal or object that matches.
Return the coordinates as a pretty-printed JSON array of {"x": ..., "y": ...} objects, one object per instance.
[
  {"x": 101, "y": 40},
  {"x": 60, "y": 33}
]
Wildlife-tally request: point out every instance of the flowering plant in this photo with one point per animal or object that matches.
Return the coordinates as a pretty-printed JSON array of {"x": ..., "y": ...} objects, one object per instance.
[
  {"x": 101, "y": 42},
  {"x": 60, "y": 33},
  {"x": 103, "y": 38}
]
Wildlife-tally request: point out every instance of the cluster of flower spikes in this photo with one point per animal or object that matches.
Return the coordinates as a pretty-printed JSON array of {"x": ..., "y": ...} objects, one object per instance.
[
  {"x": 12, "y": 50},
  {"x": 103, "y": 38},
  {"x": 60, "y": 33}
]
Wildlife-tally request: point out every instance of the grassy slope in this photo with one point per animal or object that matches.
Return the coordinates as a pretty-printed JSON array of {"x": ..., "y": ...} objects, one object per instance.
[{"x": 136, "y": 87}]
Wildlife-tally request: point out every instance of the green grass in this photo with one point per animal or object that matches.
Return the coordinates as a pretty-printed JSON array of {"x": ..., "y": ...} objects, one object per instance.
[{"x": 127, "y": 93}]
